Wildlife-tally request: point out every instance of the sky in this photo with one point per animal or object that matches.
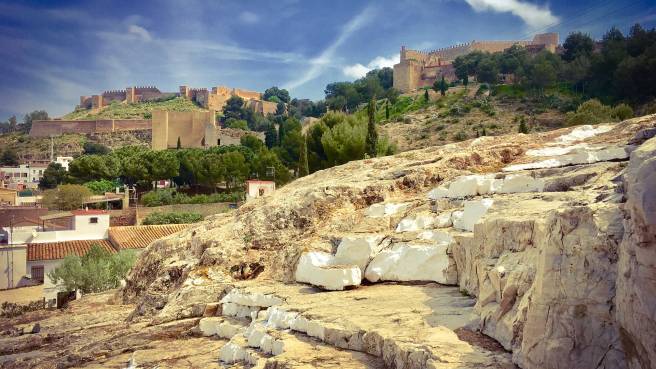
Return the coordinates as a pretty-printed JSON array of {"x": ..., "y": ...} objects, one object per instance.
[{"x": 52, "y": 52}]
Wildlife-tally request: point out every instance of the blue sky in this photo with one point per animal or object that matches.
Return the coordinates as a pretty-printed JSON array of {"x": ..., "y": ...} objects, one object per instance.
[{"x": 54, "y": 51}]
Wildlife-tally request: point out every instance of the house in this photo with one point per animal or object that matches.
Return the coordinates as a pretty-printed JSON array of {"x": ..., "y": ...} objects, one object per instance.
[
  {"x": 64, "y": 161},
  {"x": 256, "y": 188},
  {"x": 8, "y": 197},
  {"x": 22, "y": 177},
  {"x": 138, "y": 237},
  {"x": 42, "y": 258}
]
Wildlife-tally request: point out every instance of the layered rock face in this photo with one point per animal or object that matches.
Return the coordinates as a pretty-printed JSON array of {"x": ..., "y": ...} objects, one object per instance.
[{"x": 550, "y": 235}]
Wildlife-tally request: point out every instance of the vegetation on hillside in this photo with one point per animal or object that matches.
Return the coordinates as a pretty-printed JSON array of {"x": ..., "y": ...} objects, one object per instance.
[
  {"x": 172, "y": 218},
  {"x": 139, "y": 110},
  {"x": 170, "y": 196}
]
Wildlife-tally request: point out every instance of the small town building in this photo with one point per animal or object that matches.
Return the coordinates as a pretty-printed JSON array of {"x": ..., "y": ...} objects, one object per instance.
[
  {"x": 22, "y": 177},
  {"x": 64, "y": 161},
  {"x": 8, "y": 197},
  {"x": 256, "y": 188}
]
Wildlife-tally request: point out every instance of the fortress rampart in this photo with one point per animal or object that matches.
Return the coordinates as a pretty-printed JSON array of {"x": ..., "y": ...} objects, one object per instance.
[
  {"x": 47, "y": 128},
  {"x": 418, "y": 69}
]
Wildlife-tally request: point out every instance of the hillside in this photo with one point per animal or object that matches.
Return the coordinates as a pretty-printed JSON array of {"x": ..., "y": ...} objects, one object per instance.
[
  {"x": 467, "y": 113},
  {"x": 530, "y": 250},
  {"x": 117, "y": 110}
]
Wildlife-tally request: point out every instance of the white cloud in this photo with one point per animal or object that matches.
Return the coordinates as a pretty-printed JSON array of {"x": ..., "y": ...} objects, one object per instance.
[
  {"x": 321, "y": 62},
  {"x": 358, "y": 70},
  {"x": 533, "y": 15},
  {"x": 140, "y": 32},
  {"x": 249, "y": 17}
]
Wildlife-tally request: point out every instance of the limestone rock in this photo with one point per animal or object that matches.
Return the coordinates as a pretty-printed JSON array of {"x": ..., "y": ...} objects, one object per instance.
[
  {"x": 319, "y": 269},
  {"x": 410, "y": 262}
]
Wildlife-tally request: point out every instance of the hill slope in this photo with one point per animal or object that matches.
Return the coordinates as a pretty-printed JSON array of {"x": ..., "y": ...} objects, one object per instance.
[{"x": 117, "y": 110}]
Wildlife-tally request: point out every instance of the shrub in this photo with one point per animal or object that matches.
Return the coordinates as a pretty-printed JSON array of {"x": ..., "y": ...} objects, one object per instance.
[
  {"x": 65, "y": 197},
  {"x": 591, "y": 112},
  {"x": 622, "y": 112},
  {"x": 460, "y": 136},
  {"x": 98, "y": 270},
  {"x": 172, "y": 218},
  {"x": 102, "y": 186},
  {"x": 169, "y": 196}
]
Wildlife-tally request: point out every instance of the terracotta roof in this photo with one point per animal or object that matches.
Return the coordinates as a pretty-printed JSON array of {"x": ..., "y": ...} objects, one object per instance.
[
  {"x": 59, "y": 250},
  {"x": 137, "y": 237},
  {"x": 88, "y": 212}
]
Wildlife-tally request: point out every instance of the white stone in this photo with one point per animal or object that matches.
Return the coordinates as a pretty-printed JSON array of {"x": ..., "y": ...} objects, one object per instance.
[
  {"x": 456, "y": 219},
  {"x": 407, "y": 262},
  {"x": 358, "y": 250},
  {"x": 474, "y": 211},
  {"x": 209, "y": 326},
  {"x": 465, "y": 186},
  {"x": 231, "y": 353},
  {"x": 555, "y": 151},
  {"x": 319, "y": 269},
  {"x": 227, "y": 330},
  {"x": 382, "y": 210},
  {"x": 316, "y": 329},
  {"x": 443, "y": 220},
  {"x": 437, "y": 236},
  {"x": 515, "y": 183},
  {"x": 415, "y": 223},
  {"x": 240, "y": 297},
  {"x": 438, "y": 193},
  {"x": 238, "y": 310},
  {"x": 583, "y": 132},
  {"x": 300, "y": 324},
  {"x": 582, "y": 155},
  {"x": 281, "y": 319}
]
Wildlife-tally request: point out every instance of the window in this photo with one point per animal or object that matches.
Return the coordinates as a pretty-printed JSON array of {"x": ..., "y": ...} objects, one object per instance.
[
  {"x": 37, "y": 273},
  {"x": 93, "y": 220}
]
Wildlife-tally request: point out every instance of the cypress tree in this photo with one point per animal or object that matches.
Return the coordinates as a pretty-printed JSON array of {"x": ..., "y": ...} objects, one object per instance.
[
  {"x": 443, "y": 87},
  {"x": 372, "y": 134},
  {"x": 387, "y": 110},
  {"x": 426, "y": 95},
  {"x": 303, "y": 167},
  {"x": 523, "y": 128},
  {"x": 179, "y": 145}
]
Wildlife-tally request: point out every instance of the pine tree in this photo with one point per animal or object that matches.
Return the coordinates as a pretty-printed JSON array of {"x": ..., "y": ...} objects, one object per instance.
[
  {"x": 523, "y": 128},
  {"x": 303, "y": 167},
  {"x": 179, "y": 145},
  {"x": 465, "y": 81},
  {"x": 426, "y": 97},
  {"x": 443, "y": 87},
  {"x": 387, "y": 110},
  {"x": 372, "y": 134}
]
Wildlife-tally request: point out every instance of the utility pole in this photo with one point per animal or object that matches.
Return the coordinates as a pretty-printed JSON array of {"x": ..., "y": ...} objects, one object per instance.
[{"x": 52, "y": 148}]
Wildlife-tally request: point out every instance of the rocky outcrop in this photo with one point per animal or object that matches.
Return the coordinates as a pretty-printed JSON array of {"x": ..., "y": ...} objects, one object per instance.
[
  {"x": 558, "y": 269},
  {"x": 636, "y": 277}
]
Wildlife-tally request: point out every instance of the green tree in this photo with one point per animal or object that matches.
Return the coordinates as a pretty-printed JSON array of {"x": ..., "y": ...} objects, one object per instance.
[
  {"x": 523, "y": 128},
  {"x": 93, "y": 167},
  {"x": 178, "y": 145},
  {"x": 237, "y": 124},
  {"x": 53, "y": 176},
  {"x": 426, "y": 97},
  {"x": 441, "y": 86},
  {"x": 267, "y": 166},
  {"x": 162, "y": 164},
  {"x": 101, "y": 186},
  {"x": 281, "y": 109},
  {"x": 387, "y": 114},
  {"x": 252, "y": 143},
  {"x": 35, "y": 115},
  {"x": 65, "y": 197},
  {"x": 236, "y": 168},
  {"x": 271, "y": 136},
  {"x": 372, "y": 134},
  {"x": 9, "y": 157},
  {"x": 577, "y": 44},
  {"x": 98, "y": 270},
  {"x": 488, "y": 71},
  {"x": 234, "y": 108},
  {"x": 280, "y": 94},
  {"x": 303, "y": 166},
  {"x": 92, "y": 148}
]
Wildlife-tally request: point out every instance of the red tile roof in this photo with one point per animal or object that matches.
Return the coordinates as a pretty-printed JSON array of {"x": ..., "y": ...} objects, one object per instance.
[
  {"x": 137, "y": 237},
  {"x": 88, "y": 212},
  {"x": 59, "y": 250}
]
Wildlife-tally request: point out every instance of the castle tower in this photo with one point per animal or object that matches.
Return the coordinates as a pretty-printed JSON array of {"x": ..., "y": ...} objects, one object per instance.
[
  {"x": 184, "y": 91},
  {"x": 96, "y": 101},
  {"x": 130, "y": 95}
]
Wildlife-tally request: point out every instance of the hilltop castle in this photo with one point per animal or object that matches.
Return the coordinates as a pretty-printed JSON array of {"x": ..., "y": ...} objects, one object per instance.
[
  {"x": 212, "y": 100},
  {"x": 418, "y": 69}
]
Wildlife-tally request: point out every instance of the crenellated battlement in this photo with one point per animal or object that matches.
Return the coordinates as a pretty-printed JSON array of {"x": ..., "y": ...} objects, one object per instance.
[{"x": 420, "y": 68}]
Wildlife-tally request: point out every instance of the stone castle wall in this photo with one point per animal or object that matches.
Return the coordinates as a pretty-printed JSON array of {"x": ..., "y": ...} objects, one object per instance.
[
  {"x": 47, "y": 128},
  {"x": 193, "y": 128},
  {"x": 418, "y": 69}
]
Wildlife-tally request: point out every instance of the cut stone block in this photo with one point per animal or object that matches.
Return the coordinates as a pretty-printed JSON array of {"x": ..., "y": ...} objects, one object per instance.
[
  {"x": 415, "y": 223},
  {"x": 382, "y": 210},
  {"x": 281, "y": 319},
  {"x": 210, "y": 326},
  {"x": 358, "y": 250},
  {"x": 466, "y": 186},
  {"x": 474, "y": 211},
  {"x": 239, "y": 311},
  {"x": 240, "y": 297},
  {"x": 436, "y": 236},
  {"x": 515, "y": 183},
  {"x": 228, "y": 330},
  {"x": 583, "y": 132},
  {"x": 407, "y": 262},
  {"x": 456, "y": 219},
  {"x": 438, "y": 193},
  {"x": 319, "y": 269},
  {"x": 443, "y": 220}
]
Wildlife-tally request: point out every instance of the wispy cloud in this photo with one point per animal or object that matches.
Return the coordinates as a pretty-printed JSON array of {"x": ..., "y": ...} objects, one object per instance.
[
  {"x": 249, "y": 17},
  {"x": 533, "y": 15},
  {"x": 319, "y": 64},
  {"x": 358, "y": 70},
  {"x": 140, "y": 32}
]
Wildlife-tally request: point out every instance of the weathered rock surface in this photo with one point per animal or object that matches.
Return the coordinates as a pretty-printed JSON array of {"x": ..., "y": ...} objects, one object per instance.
[{"x": 557, "y": 261}]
